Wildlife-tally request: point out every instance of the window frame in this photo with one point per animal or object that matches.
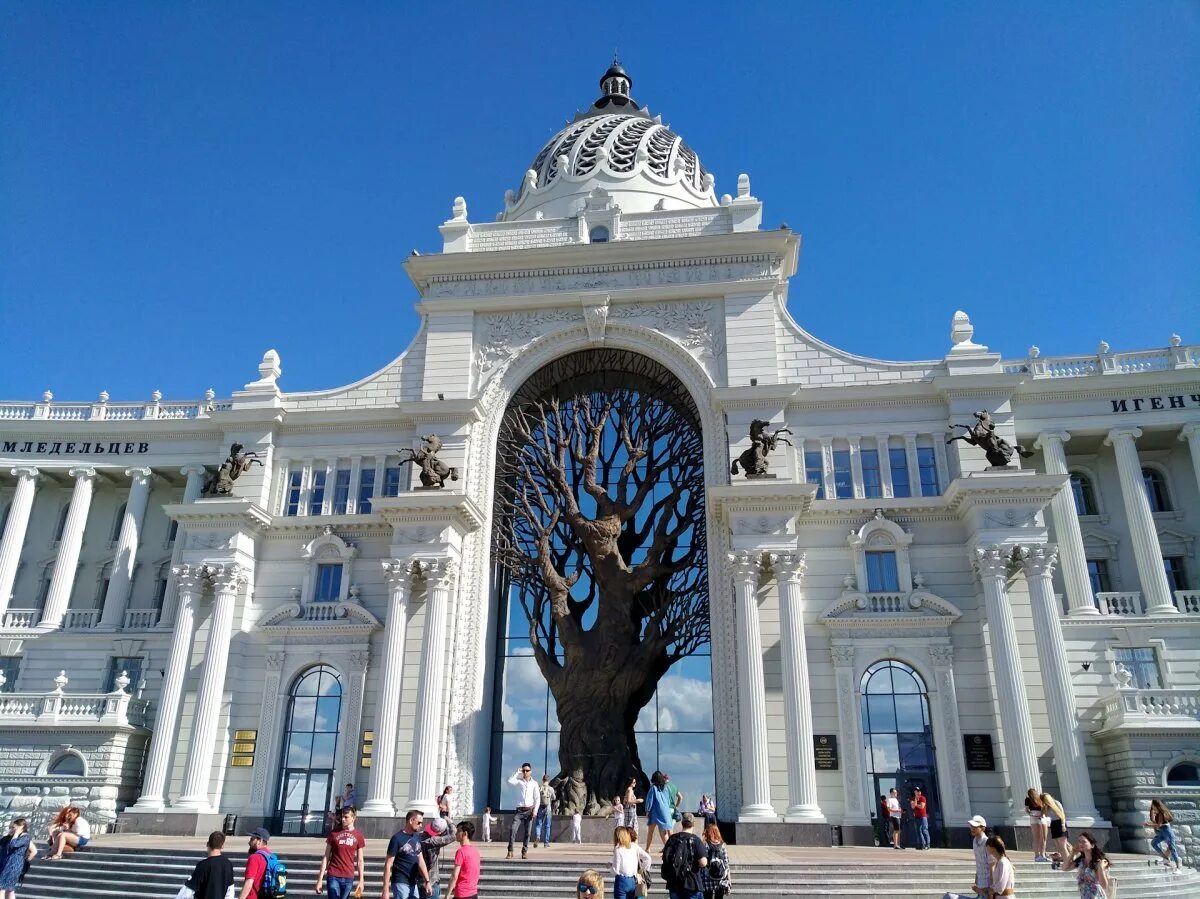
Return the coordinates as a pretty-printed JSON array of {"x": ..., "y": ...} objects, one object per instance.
[
  {"x": 293, "y": 492},
  {"x": 1138, "y": 666},
  {"x": 819, "y": 471},
  {"x": 872, "y": 474},
  {"x": 843, "y": 474},
  {"x": 316, "y": 494},
  {"x": 1158, "y": 491},
  {"x": 1083, "y": 487},
  {"x": 341, "y": 491},
  {"x": 899, "y": 471},
  {"x": 927, "y": 465},
  {"x": 366, "y": 485},
  {"x": 113, "y": 672}
]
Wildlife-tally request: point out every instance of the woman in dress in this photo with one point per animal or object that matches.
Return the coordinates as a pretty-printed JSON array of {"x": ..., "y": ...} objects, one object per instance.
[
  {"x": 714, "y": 879},
  {"x": 1003, "y": 879},
  {"x": 69, "y": 828},
  {"x": 630, "y": 802},
  {"x": 659, "y": 810},
  {"x": 16, "y": 848},
  {"x": 1090, "y": 865},
  {"x": 1164, "y": 838},
  {"x": 627, "y": 858},
  {"x": 1052, "y": 809},
  {"x": 1037, "y": 825}
]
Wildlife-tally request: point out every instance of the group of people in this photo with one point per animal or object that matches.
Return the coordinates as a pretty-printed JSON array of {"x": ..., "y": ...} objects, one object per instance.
[
  {"x": 67, "y": 831},
  {"x": 891, "y": 818}
]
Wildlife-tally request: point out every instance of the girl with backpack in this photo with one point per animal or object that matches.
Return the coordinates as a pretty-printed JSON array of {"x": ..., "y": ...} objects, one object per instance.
[{"x": 713, "y": 879}]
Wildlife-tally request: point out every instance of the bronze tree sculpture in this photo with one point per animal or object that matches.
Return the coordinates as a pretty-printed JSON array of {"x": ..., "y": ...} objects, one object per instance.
[{"x": 601, "y": 532}]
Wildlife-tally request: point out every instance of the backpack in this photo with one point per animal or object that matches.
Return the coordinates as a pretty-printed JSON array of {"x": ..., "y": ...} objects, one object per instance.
[
  {"x": 274, "y": 882},
  {"x": 678, "y": 860}
]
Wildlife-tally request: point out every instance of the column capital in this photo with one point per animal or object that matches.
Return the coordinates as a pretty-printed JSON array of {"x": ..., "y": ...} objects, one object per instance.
[
  {"x": 226, "y": 579},
  {"x": 992, "y": 561},
  {"x": 1038, "y": 560},
  {"x": 84, "y": 473},
  {"x": 435, "y": 571},
  {"x": 789, "y": 566},
  {"x": 190, "y": 578},
  {"x": 1190, "y": 430},
  {"x": 1047, "y": 437},
  {"x": 745, "y": 565},
  {"x": 842, "y": 656},
  {"x": 398, "y": 573},
  {"x": 25, "y": 473},
  {"x": 942, "y": 655},
  {"x": 139, "y": 474},
  {"x": 193, "y": 468},
  {"x": 1133, "y": 433}
]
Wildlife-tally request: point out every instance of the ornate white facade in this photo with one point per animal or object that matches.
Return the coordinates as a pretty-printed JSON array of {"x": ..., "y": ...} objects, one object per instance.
[{"x": 1011, "y": 594}]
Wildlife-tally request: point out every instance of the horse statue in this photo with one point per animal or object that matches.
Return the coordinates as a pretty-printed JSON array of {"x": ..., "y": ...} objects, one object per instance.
[
  {"x": 754, "y": 460},
  {"x": 433, "y": 470},
  {"x": 983, "y": 434},
  {"x": 235, "y": 465}
]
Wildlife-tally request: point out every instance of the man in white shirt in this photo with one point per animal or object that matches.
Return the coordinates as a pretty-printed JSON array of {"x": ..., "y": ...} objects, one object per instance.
[
  {"x": 529, "y": 795},
  {"x": 893, "y": 805}
]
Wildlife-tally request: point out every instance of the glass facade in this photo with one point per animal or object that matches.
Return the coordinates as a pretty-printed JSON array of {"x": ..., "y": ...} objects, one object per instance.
[{"x": 310, "y": 751}]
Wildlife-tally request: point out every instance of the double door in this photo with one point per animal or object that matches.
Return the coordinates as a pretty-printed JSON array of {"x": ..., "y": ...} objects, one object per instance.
[
  {"x": 304, "y": 801},
  {"x": 904, "y": 782}
]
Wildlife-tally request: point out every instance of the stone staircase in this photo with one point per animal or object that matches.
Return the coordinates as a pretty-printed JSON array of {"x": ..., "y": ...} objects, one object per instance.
[{"x": 150, "y": 873}]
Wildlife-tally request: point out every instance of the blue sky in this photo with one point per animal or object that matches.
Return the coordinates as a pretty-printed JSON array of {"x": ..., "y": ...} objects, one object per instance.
[{"x": 183, "y": 186}]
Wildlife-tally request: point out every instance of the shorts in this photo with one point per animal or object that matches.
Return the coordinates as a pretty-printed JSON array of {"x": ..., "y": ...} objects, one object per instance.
[
  {"x": 1056, "y": 829},
  {"x": 83, "y": 841}
]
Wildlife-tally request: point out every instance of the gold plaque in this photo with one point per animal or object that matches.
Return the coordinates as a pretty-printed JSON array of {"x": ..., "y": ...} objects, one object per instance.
[
  {"x": 365, "y": 761},
  {"x": 368, "y": 736},
  {"x": 242, "y": 761},
  {"x": 244, "y": 747},
  {"x": 368, "y": 749},
  {"x": 245, "y": 735}
]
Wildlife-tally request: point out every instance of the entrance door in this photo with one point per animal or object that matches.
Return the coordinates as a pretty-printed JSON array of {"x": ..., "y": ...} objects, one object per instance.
[
  {"x": 898, "y": 738},
  {"x": 307, "y": 779}
]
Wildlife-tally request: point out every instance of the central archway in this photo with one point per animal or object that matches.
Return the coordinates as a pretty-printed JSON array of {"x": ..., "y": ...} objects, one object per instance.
[{"x": 600, "y": 544}]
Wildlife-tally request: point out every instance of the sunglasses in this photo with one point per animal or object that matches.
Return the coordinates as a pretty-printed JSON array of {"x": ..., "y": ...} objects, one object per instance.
[{"x": 587, "y": 888}]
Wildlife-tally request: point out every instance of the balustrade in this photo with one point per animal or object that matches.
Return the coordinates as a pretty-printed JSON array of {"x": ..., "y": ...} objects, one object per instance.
[
  {"x": 1188, "y": 601},
  {"x": 1128, "y": 603},
  {"x": 888, "y": 602},
  {"x": 106, "y": 411},
  {"x": 1105, "y": 362},
  {"x": 138, "y": 619},
  {"x": 1145, "y": 708},
  {"x": 21, "y": 618},
  {"x": 80, "y": 619},
  {"x": 62, "y": 709}
]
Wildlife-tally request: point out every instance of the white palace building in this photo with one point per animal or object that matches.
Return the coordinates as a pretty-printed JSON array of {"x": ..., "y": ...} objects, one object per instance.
[{"x": 887, "y": 609}]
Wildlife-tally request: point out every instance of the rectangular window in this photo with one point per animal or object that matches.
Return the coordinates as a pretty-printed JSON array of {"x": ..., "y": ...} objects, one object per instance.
[
  {"x": 898, "y": 460},
  {"x": 391, "y": 481},
  {"x": 102, "y": 591},
  {"x": 317, "y": 499},
  {"x": 131, "y": 665},
  {"x": 814, "y": 472},
  {"x": 172, "y": 532},
  {"x": 1098, "y": 575},
  {"x": 366, "y": 489},
  {"x": 341, "y": 491},
  {"x": 1176, "y": 576},
  {"x": 1142, "y": 661},
  {"x": 160, "y": 592},
  {"x": 11, "y": 666},
  {"x": 292, "y": 504},
  {"x": 329, "y": 583},
  {"x": 872, "y": 482},
  {"x": 882, "y": 575},
  {"x": 843, "y": 480},
  {"x": 927, "y": 464}
]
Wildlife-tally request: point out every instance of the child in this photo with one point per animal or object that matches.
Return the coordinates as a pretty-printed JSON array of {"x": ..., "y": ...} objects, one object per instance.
[
  {"x": 464, "y": 882},
  {"x": 488, "y": 819},
  {"x": 618, "y": 812},
  {"x": 577, "y": 827}
]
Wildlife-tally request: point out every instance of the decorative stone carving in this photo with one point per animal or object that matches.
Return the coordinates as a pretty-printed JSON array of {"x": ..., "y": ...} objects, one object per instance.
[
  {"x": 842, "y": 656},
  {"x": 745, "y": 565},
  {"x": 503, "y": 336},
  {"x": 992, "y": 561},
  {"x": 595, "y": 316},
  {"x": 941, "y": 654},
  {"x": 1037, "y": 560},
  {"x": 1123, "y": 677},
  {"x": 693, "y": 325}
]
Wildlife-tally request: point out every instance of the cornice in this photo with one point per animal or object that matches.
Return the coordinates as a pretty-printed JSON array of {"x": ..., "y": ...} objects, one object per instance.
[
  {"x": 748, "y": 497},
  {"x": 457, "y": 411},
  {"x": 214, "y": 511},
  {"x": 422, "y": 506},
  {"x": 1003, "y": 489}
]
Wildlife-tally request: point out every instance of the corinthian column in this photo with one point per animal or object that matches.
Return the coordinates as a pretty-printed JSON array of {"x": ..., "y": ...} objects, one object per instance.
[
  {"x": 1071, "y": 554},
  {"x": 117, "y": 596},
  {"x": 992, "y": 564},
  {"x": 226, "y": 582},
  {"x": 390, "y": 677},
  {"x": 752, "y": 695},
  {"x": 1147, "y": 553},
  {"x": 13, "y": 541},
  {"x": 439, "y": 575},
  {"x": 1069, "y": 759},
  {"x": 191, "y": 584},
  {"x": 797, "y": 700},
  {"x": 63, "y": 579}
]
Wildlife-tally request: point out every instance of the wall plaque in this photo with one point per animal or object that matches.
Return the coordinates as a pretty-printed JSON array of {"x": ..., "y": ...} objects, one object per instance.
[
  {"x": 825, "y": 752},
  {"x": 242, "y": 761},
  {"x": 245, "y": 735},
  {"x": 978, "y": 749}
]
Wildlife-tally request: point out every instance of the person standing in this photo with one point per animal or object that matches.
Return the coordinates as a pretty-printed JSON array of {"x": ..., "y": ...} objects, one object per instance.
[
  {"x": 487, "y": 819},
  {"x": 577, "y": 827},
  {"x": 714, "y": 878},
  {"x": 627, "y": 858},
  {"x": 1053, "y": 810},
  {"x": 1091, "y": 867},
  {"x": 344, "y": 855},
  {"x": 630, "y": 802},
  {"x": 676, "y": 798},
  {"x": 256, "y": 863},
  {"x": 658, "y": 810},
  {"x": 545, "y": 816},
  {"x": 16, "y": 849},
  {"x": 1037, "y": 824},
  {"x": 1003, "y": 878},
  {"x": 350, "y": 797},
  {"x": 618, "y": 813},
  {"x": 682, "y": 858},
  {"x": 920, "y": 810},
  {"x": 404, "y": 871},
  {"x": 894, "y": 813},
  {"x": 528, "y": 799},
  {"x": 464, "y": 882},
  {"x": 212, "y": 877},
  {"x": 885, "y": 822},
  {"x": 1164, "y": 837},
  {"x": 437, "y": 835},
  {"x": 443, "y": 802}
]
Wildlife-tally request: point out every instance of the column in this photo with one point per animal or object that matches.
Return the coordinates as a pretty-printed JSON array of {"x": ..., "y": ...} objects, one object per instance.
[
  {"x": 1156, "y": 590},
  {"x": 226, "y": 581},
  {"x": 13, "y": 541},
  {"x": 992, "y": 565},
  {"x": 190, "y": 581},
  {"x": 797, "y": 698},
  {"x": 1191, "y": 434},
  {"x": 1071, "y": 554},
  {"x": 330, "y": 482},
  {"x": 195, "y": 475},
  {"x": 117, "y": 596},
  {"x": 355, "y": 485},
  {"x": 1070, "y": 761},
  {"x": 439, "y": 575},
  {"x": 306, "y": 486},
  {"x": 885, "y": 466},
  {"x": 943, "y": 464},
  {"x": 63, "y": 579},
  {"x": 856, "y": 470},
  {"x": 850, "y": 734},
  {"x": 914, "y": 468},
  {"x": 751, "y": 691},
  {"x": 827, "y": 479},
  {"x": 390, "y": 677}
]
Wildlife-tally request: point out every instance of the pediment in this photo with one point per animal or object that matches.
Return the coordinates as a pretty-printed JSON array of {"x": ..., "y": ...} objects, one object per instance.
[
  {"x": 315, "y": 618},
  {"x": 916, "y": 612}
]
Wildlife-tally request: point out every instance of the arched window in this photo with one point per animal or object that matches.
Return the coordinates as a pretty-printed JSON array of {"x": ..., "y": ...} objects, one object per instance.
[
  {"x": 599, "y": 234},
  {"x": 116, "y": 528},
  {"x": 310, "y": 751},
  {"x": 1156, "y": 490},
  {"x": 69, "y": 764},
  {"x": 1184, "y": 774},
  {"x": 1085, "y": 496}
]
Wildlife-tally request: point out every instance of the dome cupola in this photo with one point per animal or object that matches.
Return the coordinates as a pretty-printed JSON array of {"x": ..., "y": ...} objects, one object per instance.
[{"x": 616, "y": 146}]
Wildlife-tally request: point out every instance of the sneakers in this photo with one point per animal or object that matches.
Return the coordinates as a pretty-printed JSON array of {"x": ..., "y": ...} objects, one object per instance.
[{"x": 525, "y": 852}]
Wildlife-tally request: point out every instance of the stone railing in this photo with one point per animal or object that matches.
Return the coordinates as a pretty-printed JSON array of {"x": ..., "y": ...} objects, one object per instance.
[
  {"x": 103, "y": 410},
  {"x": 1188, "y": 601},
  {"x": 80, "y": 619},
  {"x": 1105, "y": 362},
  {"x": 14, "y": 618},
  {"x": 140, "y": 619},
  {"x": 1129, "y": 707},
  {"x": 58, "y": 708},
  {"x": 322, "y": 611},
  {"x": 1130, "y": 602},
  {"x": 887, "y": 602}
]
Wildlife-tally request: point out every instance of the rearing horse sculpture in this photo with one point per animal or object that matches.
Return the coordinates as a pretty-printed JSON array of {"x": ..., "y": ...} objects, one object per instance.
[{"x": 983, "y": 434}]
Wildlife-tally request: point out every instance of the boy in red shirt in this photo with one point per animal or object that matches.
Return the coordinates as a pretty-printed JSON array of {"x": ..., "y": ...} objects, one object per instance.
[
  {"x": 464, "y": 882},
  {"x": 343, "y": 854}
]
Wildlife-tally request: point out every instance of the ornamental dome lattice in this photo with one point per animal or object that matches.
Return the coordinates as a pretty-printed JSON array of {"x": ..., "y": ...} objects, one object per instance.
[{"x": 616, "y": 145}]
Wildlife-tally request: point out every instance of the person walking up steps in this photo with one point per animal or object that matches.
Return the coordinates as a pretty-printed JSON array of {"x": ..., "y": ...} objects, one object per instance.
[
  {"x": 983, "y": 863},
  {"x": 464, "y": 882},
  {"x": 212, "y": 878},
  {"x": 1164, "y": 837},
  {"x": 714, "y": 878},
  {"x": 16, "y": 851},
  {"x": 263, "y": 870},
  {"x": 344, "y": 856},
  {"x": 682, "y": 858},
  {"x": 529, "y": 796},
  {"x": 437, "y": 835},
  {"x": 1003, "y": 877},
  {"x": 627, "y": 858}
]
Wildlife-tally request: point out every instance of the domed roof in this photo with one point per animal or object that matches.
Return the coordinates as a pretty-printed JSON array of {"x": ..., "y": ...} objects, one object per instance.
[{"x": 618, "y": 146}]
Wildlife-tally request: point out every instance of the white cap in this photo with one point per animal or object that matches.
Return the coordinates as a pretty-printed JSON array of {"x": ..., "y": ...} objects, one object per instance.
[{"x": 978, "y": 821}]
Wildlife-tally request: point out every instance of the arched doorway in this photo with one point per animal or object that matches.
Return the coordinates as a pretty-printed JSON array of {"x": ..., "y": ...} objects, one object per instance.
[
  {"x": 308, "y": 769},
  {"x": 898, "y": 741}
]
